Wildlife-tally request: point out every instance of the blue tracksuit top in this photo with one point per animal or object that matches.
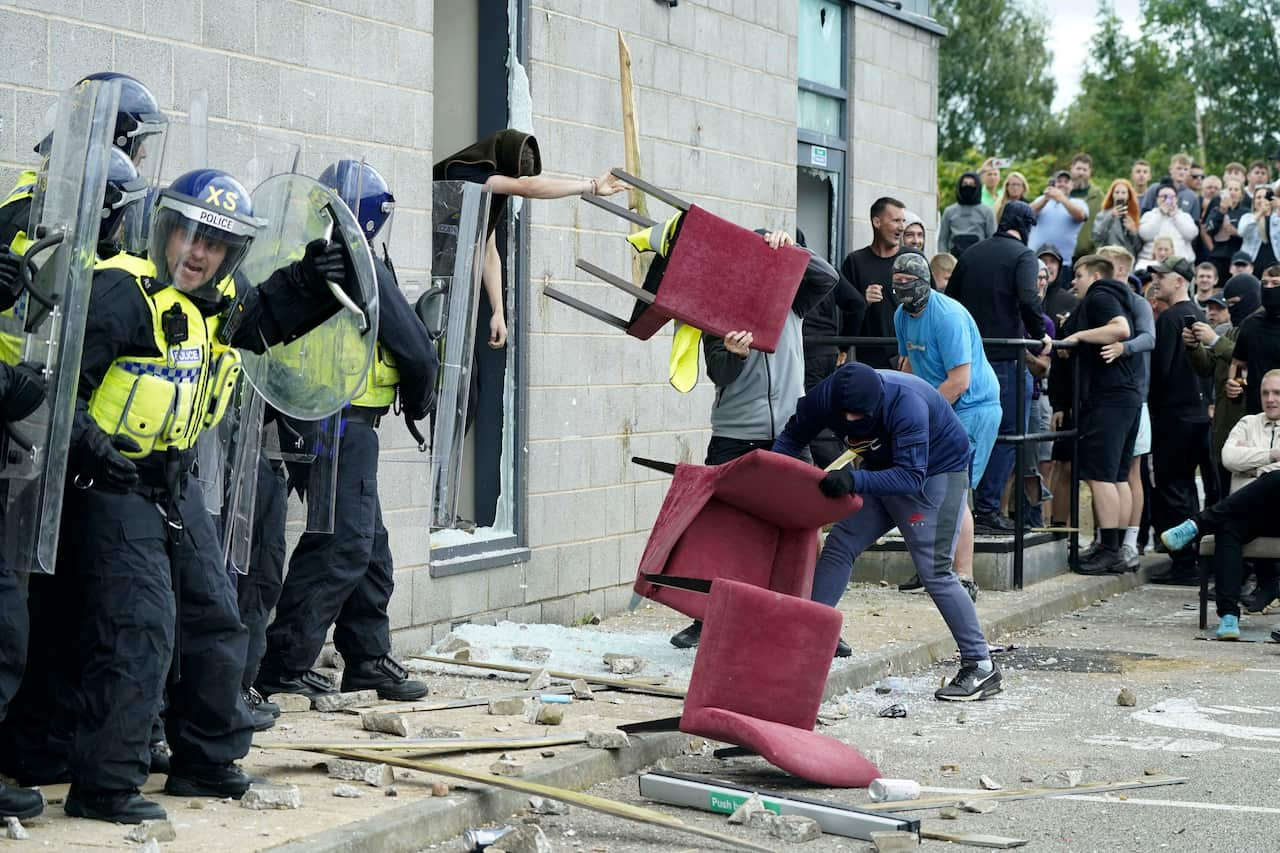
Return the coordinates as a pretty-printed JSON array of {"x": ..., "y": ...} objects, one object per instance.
[{"x": 910, "y": 431}]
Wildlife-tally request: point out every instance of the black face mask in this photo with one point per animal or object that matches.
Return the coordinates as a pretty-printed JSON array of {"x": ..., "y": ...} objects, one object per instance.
[
  {"x": 966, "y": 194},
  {"x": 1271, "y": 301}
]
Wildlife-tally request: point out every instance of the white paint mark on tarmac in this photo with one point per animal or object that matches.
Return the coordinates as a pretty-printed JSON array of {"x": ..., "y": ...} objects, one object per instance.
[
  {"x": 1155, "y": 742},
  {"x": 1114, "y": 799},
  {"x": 1188, "y": 715}
]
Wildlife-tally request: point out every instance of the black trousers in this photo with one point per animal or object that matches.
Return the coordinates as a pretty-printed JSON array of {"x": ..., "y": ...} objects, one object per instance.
[
  {"x": 1177, "y": 446},
  {"x": 132, "y": 614},
  {"x": 342, "y": 578},
  {"x": 1238, "y": 519},
  {"x": 259, "y": 589},
  {"x": 721, "y": 449}
]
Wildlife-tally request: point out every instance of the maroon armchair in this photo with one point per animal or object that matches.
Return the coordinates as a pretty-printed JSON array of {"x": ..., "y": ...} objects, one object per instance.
[
  {"x": 753, "y": 520},
  {"x": 758, "y": 678}
]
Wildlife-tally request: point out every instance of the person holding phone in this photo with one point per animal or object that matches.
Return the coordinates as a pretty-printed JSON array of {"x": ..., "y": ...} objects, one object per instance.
[{"x": 1117, "y": 223}]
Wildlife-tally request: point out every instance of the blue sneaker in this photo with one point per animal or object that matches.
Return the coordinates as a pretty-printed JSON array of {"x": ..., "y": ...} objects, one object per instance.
[
  {"x": 1228, "y": 627},
  {"x": 1177, "y": 538}
]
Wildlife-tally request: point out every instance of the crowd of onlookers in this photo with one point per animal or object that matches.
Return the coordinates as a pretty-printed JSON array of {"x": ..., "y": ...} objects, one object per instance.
[{"x": 1183, "y": 329}]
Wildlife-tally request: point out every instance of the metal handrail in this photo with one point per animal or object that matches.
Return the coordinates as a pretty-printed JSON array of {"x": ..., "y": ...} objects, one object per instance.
[{"x": 1019, "y": 441}]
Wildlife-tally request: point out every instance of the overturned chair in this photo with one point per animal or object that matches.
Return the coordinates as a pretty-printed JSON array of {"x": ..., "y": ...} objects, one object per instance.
[
  {"x": 758, "y": 678},
  {"x": 753, "y": 520},
  {"x": 708, "y": 273}
]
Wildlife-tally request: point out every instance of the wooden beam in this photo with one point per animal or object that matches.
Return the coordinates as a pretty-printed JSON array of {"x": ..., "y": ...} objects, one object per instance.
[
  {"x": 1025, "y": 794},
  {"x": 993, "y": 842},
  {"x": 614, "y": 808},
  {"x": 631, "y": 685},
  {"x": 435, "y": 745},
  {"x": 631, "y": 152}
]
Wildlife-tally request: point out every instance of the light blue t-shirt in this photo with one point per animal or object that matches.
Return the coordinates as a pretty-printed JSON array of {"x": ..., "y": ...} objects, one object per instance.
[
  {"x": 943, "y": 337},
  {"x": 1055, "y": 225}
]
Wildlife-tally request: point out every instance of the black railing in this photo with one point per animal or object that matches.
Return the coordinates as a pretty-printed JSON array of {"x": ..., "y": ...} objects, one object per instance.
[{"x": 1019, "y": 441}]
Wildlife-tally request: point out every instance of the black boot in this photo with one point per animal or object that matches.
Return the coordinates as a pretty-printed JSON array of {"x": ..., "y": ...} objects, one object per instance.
[
  {"x": 262, "y": 718},
  {"x": 842, "y": 649},
  {"x": 112, "y": 806},
  {"x": 21, "y": 803},
  {"x": 307, "y": 683},
  {"x": 256, "y": 701},
  {"x": 688, "y": 638},
  {"x": 385, "y": 675},
  {"x": 208, "y": 780},
  {"x": 1107, "y": 559},
  {"x": 992, "y": 524}
]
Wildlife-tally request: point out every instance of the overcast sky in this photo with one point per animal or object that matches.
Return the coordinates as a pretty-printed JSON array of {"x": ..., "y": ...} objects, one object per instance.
[{"x": 1073, "y": 26}]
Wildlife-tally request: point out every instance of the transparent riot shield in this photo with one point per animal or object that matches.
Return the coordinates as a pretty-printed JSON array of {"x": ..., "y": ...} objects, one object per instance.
[
  {"x": 459, "y": 213},
  {"x": 69, "y": 194},
  {"x": 322, "y": 371},
  {"x": 244, "y": 440},
  {"x": 309, "y": 450}
]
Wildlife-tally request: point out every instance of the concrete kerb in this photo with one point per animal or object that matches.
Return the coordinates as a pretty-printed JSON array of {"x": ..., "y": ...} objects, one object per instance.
[{"x": 412, "y": 827}]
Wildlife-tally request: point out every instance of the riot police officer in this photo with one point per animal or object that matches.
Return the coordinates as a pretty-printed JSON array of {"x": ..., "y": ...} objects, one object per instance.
[
  {"x": 158, "y": 369},
  {"x": 345, "y": 578}
]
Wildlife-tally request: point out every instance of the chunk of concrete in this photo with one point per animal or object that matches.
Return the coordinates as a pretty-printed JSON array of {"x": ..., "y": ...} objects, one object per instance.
[
  {"x": 581, "y": 690},
  {"x": 609, "y": 739},
  {"x": 989, "y": 784},
  {"x": 14, "y": 830},
  {"x": 895, "y": 842},
  {"x": 532, "y": 654},
  {"x": 438, "y": 733},
  {"x": 544, "y": 715},
  {"x": 291, "y": 703},
  {"x": 377, "y": 775},
  {"x": 439, "y": 789},
  {"x": 263, "y": 797},
  {"x": 538, "y": 680},
  {"x": 547, "y": 806},
  {"x": 450, "y": 644},
  {"x": 387, "y": 722},
  {"x": 523, "y": 839},
  {"x": 507, "y": 707},
  {"x": 160, "y": 830},
  {"x": 347, "y": 792},
  {"x": 624, "y": 664},
  {"x": 152, "y": 846},
  {"x": 343, "y": 701},
  {"x": 1064, "y": 778},
  {"x": 1126, "y": 698},
  {"x": 506, "y": 766},
  {"x": 750, "y": 807},
  {"x": 979, "y": 806},
  {"x": 794, "y": 828}
]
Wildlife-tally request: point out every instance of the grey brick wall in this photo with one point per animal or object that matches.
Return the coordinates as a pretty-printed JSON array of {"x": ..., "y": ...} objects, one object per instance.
[
  {"x": 716, "y": 96},
  {"x": 894, "y": 108}
]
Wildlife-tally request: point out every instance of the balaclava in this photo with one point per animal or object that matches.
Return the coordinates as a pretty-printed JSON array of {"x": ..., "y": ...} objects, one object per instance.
[
  {"x": 912, "y": 295},
  {"x": 1249, "y": 291},
  {"x": 1017, "y": 216},
  {"x": 969, "y": 195}
]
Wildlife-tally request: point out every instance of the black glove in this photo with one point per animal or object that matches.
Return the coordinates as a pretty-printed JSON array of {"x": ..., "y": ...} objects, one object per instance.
[
  {"x": 10, "y": 281},
  {"x": 102, "y": 463},
  {"x": 324, "y": 261},
  {"x": 25, "y": 393},
  {"x": 837, "y": 484}
]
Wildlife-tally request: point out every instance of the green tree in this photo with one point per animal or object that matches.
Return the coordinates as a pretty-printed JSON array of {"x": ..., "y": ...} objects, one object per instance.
[
  {"x": 994, "y": 85},
  {"x": 1135, "y": 100},
  {"x": 1230, "y": 50}
]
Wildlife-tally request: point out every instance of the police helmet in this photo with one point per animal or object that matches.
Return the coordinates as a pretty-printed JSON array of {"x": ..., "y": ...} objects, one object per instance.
[
  {"x": 126, "y": 192},
  {"x": 138, "y": 115},
  {"x": 205, "y": 206},
  {"x": 364, "y": 191}
]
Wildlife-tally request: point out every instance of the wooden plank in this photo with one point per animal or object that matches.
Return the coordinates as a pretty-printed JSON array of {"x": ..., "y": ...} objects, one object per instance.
[
  {"x": 628, "y": 684},
  {"x": 437, "y": 745},
  {"x": 1025, "y": 794},
  {"x": 993, "y": 842},
  {"x": 469, "y": 702},
  {"x": 577, "y": 798},
  {"x": 631, "y": 153}
]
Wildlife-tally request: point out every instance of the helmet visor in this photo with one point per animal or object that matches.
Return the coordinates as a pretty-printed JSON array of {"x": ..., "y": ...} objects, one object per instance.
[{"x": 192, "y": 247}]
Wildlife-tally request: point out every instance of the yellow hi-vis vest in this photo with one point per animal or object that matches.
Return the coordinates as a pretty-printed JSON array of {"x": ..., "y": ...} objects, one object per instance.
[
  {"x": 166, "y": 400},
  {"x": 10, "y": 343},
  {"x": 380, "y": 385}
]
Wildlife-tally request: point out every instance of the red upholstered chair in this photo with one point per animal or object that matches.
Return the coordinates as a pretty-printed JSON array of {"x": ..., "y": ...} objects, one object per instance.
[
  {"x": 758, "y": 678},
  {"x": 718, "y": 277},
  {"x": 753, "y": 520}
]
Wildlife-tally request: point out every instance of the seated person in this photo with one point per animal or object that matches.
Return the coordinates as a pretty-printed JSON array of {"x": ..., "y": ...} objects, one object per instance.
[{"x": 1252, "y": 452}]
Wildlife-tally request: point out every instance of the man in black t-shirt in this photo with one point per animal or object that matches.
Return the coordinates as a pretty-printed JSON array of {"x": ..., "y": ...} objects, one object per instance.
[
  {"x": 1110, "y": 404},
  {"x": 870, "y": 269},
  {"x": 1258, "y": 344},
  {"x": 1179, "y": 414}
]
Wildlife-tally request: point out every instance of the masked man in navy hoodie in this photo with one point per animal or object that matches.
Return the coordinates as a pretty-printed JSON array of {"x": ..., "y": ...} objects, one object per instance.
[{"x": 914, "y": 476}]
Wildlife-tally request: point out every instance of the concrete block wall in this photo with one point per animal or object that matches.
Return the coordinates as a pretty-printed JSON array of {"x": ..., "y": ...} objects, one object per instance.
[{"x": 894, "y": 108}]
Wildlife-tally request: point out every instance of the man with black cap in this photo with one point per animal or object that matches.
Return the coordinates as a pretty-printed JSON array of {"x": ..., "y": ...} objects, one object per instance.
[
  {"x": 996, "y": 281},
  {"x": 1179, "y": 413},
  {"x": 1241, "y": 264},
  {"x": 1059, "y": 299}
]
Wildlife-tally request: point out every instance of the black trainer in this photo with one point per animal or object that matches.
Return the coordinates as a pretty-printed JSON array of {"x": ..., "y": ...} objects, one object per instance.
[
  {"x": 21, "y": 803},
  {"x": 688, "y": 638},
  {"x": 911, "y": 585},
  {"x": 208, "y": 780},
  {"x": 112, "y": 806},
  {"x": 307, "y": 683},
  {"x": 992, "y": 524},
  {"x": 256, "y": 701},
  {"x": 1104, "y": 561},
  {"x": 1177, "y": 573},
  {"x": 971, "y": 684},
  {"x": 843, "y": 649},
  {"x": 385, "y": 675},
  {"x": 263, "y": 720},
  {"x": 159, "y": 757}
]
